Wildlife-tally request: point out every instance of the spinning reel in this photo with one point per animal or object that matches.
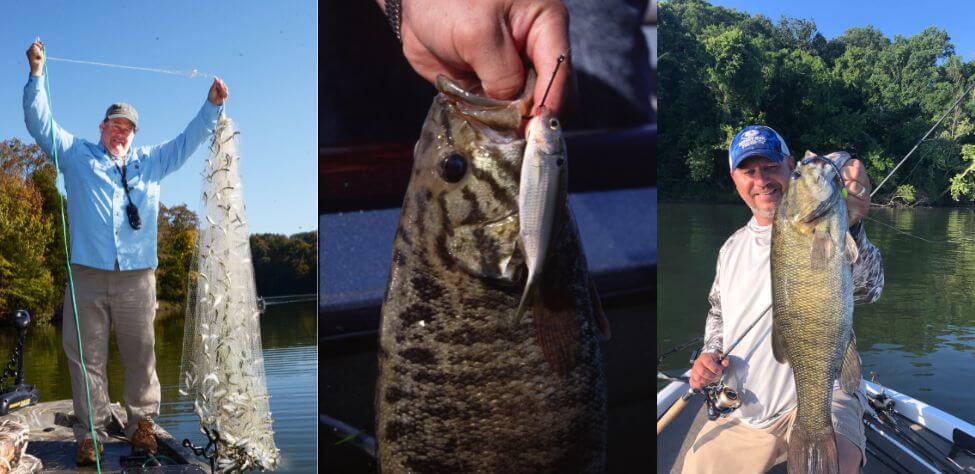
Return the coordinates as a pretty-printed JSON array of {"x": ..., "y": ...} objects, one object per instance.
[{"x": 720, "y": 399}]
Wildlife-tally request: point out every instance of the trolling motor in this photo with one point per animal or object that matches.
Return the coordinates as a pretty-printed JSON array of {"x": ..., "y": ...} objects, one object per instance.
[{"x": 19, "y": 394}]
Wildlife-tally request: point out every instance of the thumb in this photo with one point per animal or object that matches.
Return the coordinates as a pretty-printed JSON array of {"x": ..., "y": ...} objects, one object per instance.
[
  {"x": 725, "y": 362},
  {"x": 502, "y": 73}
]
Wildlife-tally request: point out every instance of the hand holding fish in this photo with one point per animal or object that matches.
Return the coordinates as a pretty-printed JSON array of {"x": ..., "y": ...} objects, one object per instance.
[
  {"x": 35, "y": 57},
  {"x": 858, "y": 186},
  {"x": 707, "y": 369},
  {"x": 485, "y": 42},
  {"x": 218, "y": 92}
]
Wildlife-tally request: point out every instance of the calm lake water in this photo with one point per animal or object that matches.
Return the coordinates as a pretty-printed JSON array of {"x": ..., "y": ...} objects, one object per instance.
[
  {"x": 289, "y": 337},
  {"x": 919, "y": 337}
]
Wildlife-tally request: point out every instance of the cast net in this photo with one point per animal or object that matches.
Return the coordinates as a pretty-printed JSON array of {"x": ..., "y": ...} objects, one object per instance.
[{"x": 222, "y": 366}]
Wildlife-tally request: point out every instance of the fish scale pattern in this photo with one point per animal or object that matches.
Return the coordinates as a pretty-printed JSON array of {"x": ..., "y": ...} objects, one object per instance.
[
  {"x": 812, "y": 294},
  {"x": 462, "y": 387}
]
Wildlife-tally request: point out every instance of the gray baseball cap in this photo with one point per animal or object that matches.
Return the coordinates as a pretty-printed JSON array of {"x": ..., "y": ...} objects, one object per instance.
[{"x": 123, "y": 110}]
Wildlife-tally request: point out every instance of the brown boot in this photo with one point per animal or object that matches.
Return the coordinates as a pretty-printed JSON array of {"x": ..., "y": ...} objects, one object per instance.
[
  {"x": 144, "y": 438},
  {"x": 86, "y": 453}
]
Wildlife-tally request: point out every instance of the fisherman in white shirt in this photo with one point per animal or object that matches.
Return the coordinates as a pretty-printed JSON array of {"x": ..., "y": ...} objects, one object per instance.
[{"x": 755, "y": 437}]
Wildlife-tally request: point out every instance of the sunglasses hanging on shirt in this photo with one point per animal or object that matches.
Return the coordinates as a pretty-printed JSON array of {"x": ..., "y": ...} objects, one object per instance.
[{"x": 130, "y": 210}]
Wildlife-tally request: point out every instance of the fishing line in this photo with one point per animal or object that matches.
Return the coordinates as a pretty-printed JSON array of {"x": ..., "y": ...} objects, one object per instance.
[
  {"x": 911, "y": 173},
  {"x": 933, "y": 127},
  {"x": 67, "y": 261},
  {"x": 905, "y": 233},
  {"x": 190, "y": 74}
]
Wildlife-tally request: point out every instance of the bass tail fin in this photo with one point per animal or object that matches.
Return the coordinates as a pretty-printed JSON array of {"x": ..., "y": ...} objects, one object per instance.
[{"x": 813, "y": 451}]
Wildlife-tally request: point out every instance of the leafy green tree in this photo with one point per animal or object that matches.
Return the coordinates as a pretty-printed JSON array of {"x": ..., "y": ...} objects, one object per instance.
[
  {"x": 32, "y": 269},
  {"x": 25, "y": 282},
  {"x": 43, "y": 180},
  {"x": 177, "y": 239},
  {"x": 720, "y": 69},
  {"x": 285, "y": 265}
]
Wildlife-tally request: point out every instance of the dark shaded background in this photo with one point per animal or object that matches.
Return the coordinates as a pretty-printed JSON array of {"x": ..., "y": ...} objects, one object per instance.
[{"x": 369, "y": 93}]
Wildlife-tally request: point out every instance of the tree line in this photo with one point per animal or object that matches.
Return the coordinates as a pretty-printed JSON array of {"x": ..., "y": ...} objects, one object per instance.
[
  {"x": 721, "y": 69},
  {"x": 32, "y": 262}
]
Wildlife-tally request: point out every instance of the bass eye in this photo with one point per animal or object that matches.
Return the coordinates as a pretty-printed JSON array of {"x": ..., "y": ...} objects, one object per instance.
[
  {"x": 453, "y": 168},
  {"x": 553, "y": 124}
]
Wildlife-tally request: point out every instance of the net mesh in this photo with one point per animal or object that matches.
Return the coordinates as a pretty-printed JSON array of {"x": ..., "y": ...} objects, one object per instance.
[{"x": 222, "y": 365}]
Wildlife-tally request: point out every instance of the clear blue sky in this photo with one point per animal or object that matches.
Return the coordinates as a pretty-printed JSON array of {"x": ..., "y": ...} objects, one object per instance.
[
  {"x": 266, "y": 51},
  {"x": 892, "y": 17}
]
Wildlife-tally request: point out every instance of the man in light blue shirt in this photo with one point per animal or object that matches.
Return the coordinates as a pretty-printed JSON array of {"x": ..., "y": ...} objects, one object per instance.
[{"x": 113, "y": 203}]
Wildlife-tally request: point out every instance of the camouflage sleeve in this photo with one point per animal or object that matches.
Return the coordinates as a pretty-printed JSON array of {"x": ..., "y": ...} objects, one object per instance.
[
  {"x": 713, "y": 337},
  {"x": 868, "y": 270}
]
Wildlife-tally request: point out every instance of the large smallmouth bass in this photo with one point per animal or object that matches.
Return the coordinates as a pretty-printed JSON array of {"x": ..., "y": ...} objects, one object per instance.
[
  {"x": 812, "y": 295},
  {"x": 463, "y": 385}
]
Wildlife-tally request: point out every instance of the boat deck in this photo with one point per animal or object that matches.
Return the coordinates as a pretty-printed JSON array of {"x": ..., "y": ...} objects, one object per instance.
[
  {"x": 52, "y": 440},
  {"x": 882, "y": 455}
]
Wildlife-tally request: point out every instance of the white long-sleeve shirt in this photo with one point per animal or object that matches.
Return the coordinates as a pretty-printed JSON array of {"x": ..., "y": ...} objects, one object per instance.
[{"x": 741, "y": 293}]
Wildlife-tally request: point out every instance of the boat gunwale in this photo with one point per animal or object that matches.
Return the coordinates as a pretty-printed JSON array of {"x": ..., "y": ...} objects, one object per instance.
[{"x": 934, "y": 419}]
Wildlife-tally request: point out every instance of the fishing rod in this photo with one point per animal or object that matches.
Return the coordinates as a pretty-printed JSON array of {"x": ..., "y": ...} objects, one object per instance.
[
  {"x": 880, "y": 410},
  {"x": 883, "y": 409},
  {"x": 737, "y": 341},
  {"x": 720, "y": 399},
  {"x": 687, "y": 344},
  {"x": 916, "y": 145},
  {"x": 676, "y": 349}
]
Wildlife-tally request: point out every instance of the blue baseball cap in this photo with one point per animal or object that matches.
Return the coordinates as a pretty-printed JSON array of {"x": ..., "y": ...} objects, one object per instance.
[{"x": 756, "y": 140}]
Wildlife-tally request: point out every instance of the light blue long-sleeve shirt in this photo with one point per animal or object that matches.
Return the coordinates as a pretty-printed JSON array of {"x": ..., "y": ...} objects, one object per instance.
[{"x": 100, "y": 230}]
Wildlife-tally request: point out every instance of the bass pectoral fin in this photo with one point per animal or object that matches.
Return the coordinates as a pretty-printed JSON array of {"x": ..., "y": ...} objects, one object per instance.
[
  {"x": 850, "y": 372},
  {"x": 821, "y": 250},
  {"x": 556, "y": 327},
  {"x": 778, "y": 346},
  {"x": 852, "y": 251}
]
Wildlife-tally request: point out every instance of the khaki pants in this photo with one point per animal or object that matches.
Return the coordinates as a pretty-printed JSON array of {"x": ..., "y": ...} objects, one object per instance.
[
  {"x": 728, "y": 445},
  {"x": 125, "y": 301}
]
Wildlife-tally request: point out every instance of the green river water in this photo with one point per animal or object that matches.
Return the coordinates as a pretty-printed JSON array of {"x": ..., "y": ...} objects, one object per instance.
[
  {"x": 289, "y": 336},
  {"x": 919, "y": 337}
]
